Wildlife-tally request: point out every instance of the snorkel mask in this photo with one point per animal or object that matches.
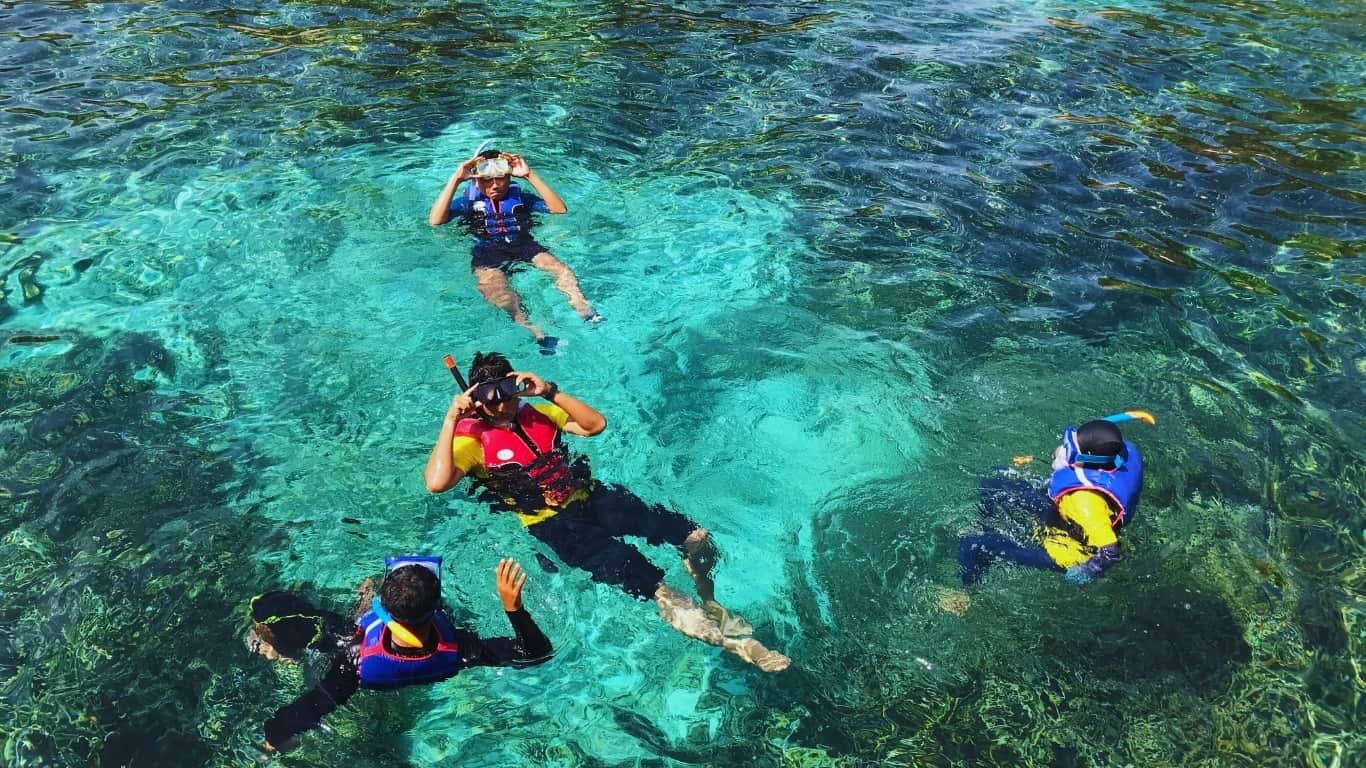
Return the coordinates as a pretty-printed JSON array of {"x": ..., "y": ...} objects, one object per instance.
[
  {"x": 1073, "y": 453},
  {"x": 391, "y": 564},
  {"x": 496, "y": 391},
  {"x": 492, "y": 168}
]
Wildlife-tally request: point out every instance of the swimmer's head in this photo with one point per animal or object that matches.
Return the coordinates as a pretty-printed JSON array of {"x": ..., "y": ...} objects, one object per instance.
[
  {"x": 496, "y": 395},
  {"x": 488, "y": 366},
  {"x": 493, "y": 174},
  {"x": 410, "y": 593},
  {"x": 1097, "y": 444}
]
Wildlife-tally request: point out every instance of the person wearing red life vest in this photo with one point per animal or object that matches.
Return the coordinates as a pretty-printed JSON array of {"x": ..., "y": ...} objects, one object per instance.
[{"x": 515, "y": 453}]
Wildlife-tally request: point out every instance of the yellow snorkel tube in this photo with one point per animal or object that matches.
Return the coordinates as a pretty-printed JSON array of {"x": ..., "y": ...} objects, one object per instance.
[{"x": 1120, "y": 418}]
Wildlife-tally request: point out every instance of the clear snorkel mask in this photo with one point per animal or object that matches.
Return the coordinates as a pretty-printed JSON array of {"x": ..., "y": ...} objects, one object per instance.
[
  {"x": 391, "y": 564},
  {"x": 492, "y": 168}
]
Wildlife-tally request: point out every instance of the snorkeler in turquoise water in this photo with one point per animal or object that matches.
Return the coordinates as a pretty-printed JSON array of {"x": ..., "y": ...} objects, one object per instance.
[
  {"x": 1094, "y": 490},
  {"x": 516, "y": 454},
  {"x": 402, "y": 638},
  {"x": 498, "y": 213}
]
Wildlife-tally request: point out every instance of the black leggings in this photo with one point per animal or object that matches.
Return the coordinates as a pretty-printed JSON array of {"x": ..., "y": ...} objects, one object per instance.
[
  {"x": 1009, "y": 509},
  {"x": 585, "y": 535}
]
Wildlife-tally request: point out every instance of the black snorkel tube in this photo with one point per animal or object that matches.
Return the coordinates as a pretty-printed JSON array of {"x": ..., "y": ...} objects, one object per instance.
[{"x": 455, "y": 371}]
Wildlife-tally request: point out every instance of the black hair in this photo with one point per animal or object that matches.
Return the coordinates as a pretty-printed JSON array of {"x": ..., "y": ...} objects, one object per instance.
[
  {"x": 489, "y": 154},
  {"x": 1100, "y": 438},
  {"x": 488, "y": 367},
  {"x": 410, "y": 593}
]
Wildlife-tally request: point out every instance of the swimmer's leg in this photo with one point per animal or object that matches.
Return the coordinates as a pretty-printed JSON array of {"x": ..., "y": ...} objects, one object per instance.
[
  {"x": 977, "y": 552},
  {"x": 699, "y": 558},
  {"x": 692, "y": 620},
  {"x": 496, "y": 289},
  {"x": 285, "y": 625},
  {"x": 567, "y": 283}
]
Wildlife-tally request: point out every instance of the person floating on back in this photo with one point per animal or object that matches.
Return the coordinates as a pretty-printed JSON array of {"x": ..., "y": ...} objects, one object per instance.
[
  {"x": 1097, "y": 477},
  {"x": 516, "y": 452},
  {"x": 498, "y": 213},
  {"x": 402, "y": 638}
]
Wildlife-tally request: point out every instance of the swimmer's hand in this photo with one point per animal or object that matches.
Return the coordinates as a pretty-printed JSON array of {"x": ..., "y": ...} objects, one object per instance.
[
  {"x": 1080, "y": 575},
  {"x": 365, "y": 595},
  {"x": 462, "y": 405},
  {"x": 531, "y": 384},
  {"x": 466, "y": 169},
  {"x": 268, "y": 751},
  {"x": 519, "y": 166},
  {"x": 510, "y": 579}
]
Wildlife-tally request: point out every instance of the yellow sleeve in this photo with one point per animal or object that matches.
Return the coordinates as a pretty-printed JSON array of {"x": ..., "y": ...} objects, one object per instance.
[
  {"x": 1090, "y": 511},
  {"x": 553, "y": 412},
  {"x": 467, "y": 454}
]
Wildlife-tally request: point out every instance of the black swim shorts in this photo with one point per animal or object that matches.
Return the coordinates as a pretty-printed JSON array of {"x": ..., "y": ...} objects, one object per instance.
[{"x": 497, "y": 251}]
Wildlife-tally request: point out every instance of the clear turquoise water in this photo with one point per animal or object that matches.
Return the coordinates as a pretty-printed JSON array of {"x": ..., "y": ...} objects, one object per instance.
[{"x": 851, "y": 256}]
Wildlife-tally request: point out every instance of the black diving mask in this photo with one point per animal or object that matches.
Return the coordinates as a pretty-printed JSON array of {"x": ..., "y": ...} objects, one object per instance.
[{"x": 496, "y": 391}]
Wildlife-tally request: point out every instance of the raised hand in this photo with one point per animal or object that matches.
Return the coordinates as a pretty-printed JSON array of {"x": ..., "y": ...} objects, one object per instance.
[
  {"x": 462, "y": 405},
  {"x": 531, "y": 384},
  {"x": 466, "y": 169},
  {"x": 510, "y": 579},
  {"x": 520, "y": 169}
]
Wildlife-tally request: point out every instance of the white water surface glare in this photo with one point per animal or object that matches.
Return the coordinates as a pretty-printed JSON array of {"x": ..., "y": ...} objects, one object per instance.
[{"x": 852, "y": 258}]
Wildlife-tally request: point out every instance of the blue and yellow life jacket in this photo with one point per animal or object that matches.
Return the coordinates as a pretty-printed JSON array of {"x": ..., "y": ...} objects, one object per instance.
[
  {"x": 1121, "y": 484},
  {"x": 507, "y": 219},
  {"x": 379, "y": 668}
]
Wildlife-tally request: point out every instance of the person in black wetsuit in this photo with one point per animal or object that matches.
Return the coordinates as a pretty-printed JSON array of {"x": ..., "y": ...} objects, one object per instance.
[
  {"x": 402, "y": 638},
  {"x": 516, "y": 453}
]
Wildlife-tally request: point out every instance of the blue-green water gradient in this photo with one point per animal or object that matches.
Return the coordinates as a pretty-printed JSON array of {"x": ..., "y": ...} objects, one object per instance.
[{"x": 852, "y": 256}]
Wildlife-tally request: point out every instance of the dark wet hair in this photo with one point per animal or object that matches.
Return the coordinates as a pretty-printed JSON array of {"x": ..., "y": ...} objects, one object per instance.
[
  {"x": 489, "y": 154},
  {"x": 410, "y": 594},
  {"x": 1100, "y": 438},
  {"x": 488, "y": 367}
]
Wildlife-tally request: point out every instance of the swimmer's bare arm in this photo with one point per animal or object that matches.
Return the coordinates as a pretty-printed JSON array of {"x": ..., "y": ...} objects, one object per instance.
[
  {"x": 584, "y": 419},
  {"x": 442, "y": 474},
  {"x": 441, "y": 209},
  {"x": 521, "y": 170}
]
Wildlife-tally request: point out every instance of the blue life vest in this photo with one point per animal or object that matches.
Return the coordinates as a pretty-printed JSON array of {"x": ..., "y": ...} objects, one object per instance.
[
  {"x": 509, "y": 219},
  {"x": 379, "y": 668},
  {"x": 1120, "y": 485}
]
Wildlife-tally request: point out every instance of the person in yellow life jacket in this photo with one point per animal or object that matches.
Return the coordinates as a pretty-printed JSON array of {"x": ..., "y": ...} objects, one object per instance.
[
  {"x": 1094, "y": 490},
  {"x": 515, "y": 454}
]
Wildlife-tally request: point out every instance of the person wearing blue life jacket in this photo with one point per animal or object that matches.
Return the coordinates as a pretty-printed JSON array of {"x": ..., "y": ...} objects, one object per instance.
[
  {"x": 402, "y": 636},
  {"x": 498, "y": 212},
  {"x": 1093, "y": 492}
]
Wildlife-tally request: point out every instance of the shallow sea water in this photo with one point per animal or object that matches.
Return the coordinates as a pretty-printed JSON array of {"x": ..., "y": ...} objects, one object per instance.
[{"x": 852, "y": 257}]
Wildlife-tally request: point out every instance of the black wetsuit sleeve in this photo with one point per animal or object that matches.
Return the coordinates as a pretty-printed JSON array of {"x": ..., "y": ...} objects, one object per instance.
[
  {"x": 530, "y": 646},
  {"x": 341, "y": 681}
]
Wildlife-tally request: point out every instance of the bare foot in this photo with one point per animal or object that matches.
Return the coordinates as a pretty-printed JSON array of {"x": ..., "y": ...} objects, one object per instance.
[
  {"x": 731, "y": 624},
  {"x": 685, "y": 616},
  {"x": 258, "y": 641},
  {"x": 755, "y": 653},
  {"x": 954, "y": 601}
]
